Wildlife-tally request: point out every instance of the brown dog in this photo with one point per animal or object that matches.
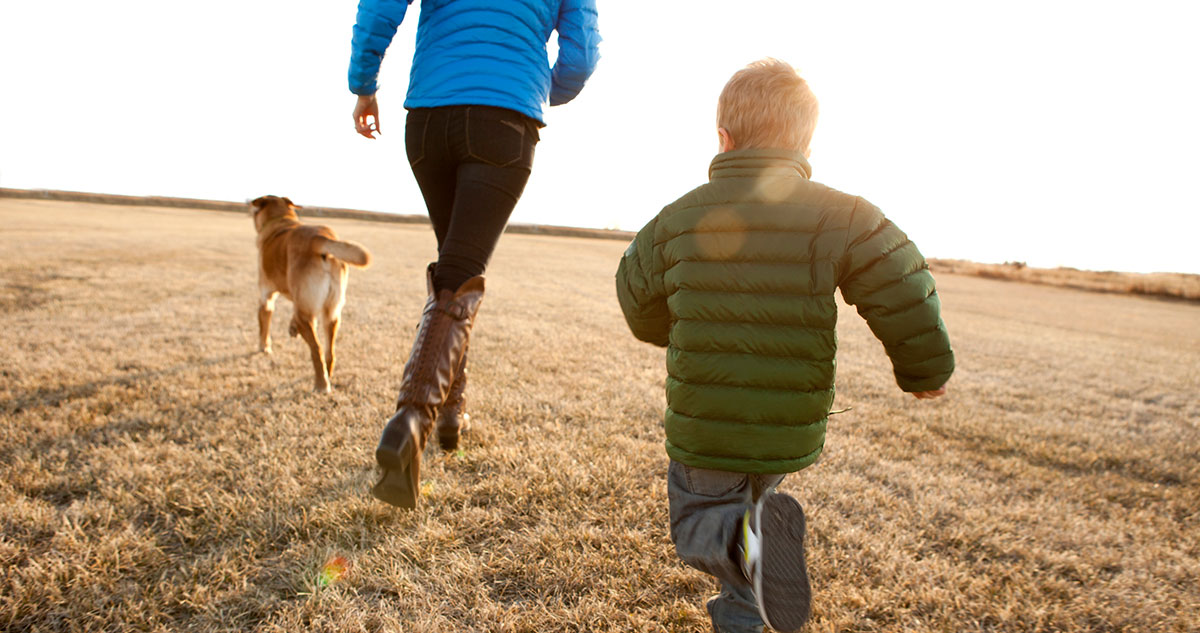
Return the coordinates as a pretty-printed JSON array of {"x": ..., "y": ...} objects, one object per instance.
[{"x": 306, "y": 264}]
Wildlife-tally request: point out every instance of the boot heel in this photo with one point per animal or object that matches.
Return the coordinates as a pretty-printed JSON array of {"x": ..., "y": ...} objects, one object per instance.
[
  {"x": 397, "y": 488},
  {"x": 448, "y": 439},
  {"x": 400, "y": 442},
  {"x": 448, "y": 435},
  {"x": 399, "y": 455}
]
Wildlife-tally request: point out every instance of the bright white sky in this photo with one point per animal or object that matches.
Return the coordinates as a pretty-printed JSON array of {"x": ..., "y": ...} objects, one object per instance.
[{"x": 1051, "y": 132}]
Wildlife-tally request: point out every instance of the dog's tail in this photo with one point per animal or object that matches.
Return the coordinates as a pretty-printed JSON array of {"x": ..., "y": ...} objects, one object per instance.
[{"x": 352, "y": 253}]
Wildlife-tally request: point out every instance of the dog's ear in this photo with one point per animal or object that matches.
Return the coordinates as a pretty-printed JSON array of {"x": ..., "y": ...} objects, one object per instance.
[
  {"x": 257, "y": 203},
  {"x": 289, "y": 203}
]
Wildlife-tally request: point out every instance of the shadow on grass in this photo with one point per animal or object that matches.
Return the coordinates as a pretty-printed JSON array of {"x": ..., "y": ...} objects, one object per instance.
[
  {"x": 58, "y": 395},
  {"x": 278, "y": 546},
  {"x": 77, "y": 440}
]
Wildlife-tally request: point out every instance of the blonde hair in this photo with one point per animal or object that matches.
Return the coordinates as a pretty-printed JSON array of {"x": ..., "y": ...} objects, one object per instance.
[{"x": 767, "y": 104}]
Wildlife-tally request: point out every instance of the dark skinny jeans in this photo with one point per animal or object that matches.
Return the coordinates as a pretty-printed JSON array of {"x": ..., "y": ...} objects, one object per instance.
[{"x": 472, "y": 163}]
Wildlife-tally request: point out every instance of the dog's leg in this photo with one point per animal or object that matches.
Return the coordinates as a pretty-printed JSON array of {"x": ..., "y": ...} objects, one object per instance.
[
  {"x": 331, "y": 328},
  {"x": 266, "y": 307},
  {"x": 303, "y": 324},
  {"x": 331, "y": 311}
]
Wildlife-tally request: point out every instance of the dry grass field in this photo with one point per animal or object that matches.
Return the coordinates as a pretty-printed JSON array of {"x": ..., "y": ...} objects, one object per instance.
[
  {"x": 156, "y": 474},
  {"x": 1165, "y": 285}
]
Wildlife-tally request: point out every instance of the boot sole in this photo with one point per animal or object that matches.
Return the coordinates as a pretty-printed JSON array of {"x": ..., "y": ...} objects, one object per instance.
[
  {"x": 781, "y": 578},
  {"x": 399, "y": 484},
  {"x": 395, "y": 488}
]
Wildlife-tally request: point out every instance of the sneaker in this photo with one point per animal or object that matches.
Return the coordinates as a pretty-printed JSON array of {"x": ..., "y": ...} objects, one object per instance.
[{"x": 773, "y": 560}]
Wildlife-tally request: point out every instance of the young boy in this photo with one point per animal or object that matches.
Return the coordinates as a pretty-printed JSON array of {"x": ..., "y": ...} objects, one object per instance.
[{"x": 737, "y": 279}]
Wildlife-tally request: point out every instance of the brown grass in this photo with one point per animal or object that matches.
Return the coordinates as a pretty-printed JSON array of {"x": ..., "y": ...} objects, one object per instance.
[
  {"x": 1166, "y": 285},
  {"x": 157, "y": 475}
]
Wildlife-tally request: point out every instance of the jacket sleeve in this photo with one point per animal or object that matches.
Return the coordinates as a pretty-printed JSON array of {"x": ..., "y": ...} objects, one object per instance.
[
  {"x": 578, "y": 49},
  {"x": 640, "y": 289},
  {"x": 887, "y": 279},
  {"x": 374, "y": 28}
]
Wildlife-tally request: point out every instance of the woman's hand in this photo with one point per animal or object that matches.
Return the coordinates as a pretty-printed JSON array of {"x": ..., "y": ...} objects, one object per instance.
[{"x": 366, "y": 109}]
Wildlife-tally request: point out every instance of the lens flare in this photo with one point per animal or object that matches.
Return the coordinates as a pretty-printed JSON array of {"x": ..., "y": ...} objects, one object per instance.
[
  {"x": 776, "y": 189},
  {"x": 333, "y": 571},
  {"x": 719, "y": 234}
]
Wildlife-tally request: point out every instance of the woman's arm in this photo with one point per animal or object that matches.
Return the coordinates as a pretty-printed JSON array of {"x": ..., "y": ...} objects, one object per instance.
[
  {"x": 374, "y": 28},
  {"x": 578, "y": 49}
]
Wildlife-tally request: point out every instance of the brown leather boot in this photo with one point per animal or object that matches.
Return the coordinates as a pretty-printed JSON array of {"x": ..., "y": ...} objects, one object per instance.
[
  {"x": 452, "y": 420},
  {"x": 429, "y": 374}
]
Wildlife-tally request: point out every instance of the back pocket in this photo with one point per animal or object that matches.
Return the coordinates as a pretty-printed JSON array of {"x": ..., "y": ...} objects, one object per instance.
[{"x": 495, "y": 136}]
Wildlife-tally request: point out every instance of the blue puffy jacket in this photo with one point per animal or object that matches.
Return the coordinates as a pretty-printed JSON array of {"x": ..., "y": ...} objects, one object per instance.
[{"x": 481, "y": 52}]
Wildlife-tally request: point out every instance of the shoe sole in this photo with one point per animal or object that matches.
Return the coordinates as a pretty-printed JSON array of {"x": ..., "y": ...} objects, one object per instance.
[
  {"x": 395, "y": 488},
  {"x": 781, "y": 577},
  {"x": 398, "y": 485}
]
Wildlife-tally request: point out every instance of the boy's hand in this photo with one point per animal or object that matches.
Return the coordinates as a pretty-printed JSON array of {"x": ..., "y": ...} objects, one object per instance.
[
  {"x": 366, "y": 107},
  {"x": 926, "y": 395}
]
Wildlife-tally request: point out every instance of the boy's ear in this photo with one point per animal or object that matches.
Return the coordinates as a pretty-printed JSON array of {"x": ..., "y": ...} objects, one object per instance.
[{"x": 726, "y": 141}]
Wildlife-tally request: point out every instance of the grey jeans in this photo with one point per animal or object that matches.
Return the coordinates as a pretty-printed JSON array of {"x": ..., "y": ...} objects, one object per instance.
[{"x": 706, "y": 514}]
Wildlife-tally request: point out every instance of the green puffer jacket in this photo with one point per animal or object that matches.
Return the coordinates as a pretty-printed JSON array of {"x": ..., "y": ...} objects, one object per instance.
[{"x": 737, "y": 280}]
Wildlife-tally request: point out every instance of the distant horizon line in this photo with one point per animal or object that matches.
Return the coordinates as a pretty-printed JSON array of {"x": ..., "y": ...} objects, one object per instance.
[
  {"x": 317, "y": 211},
  {"x": 314, "y": 211}
]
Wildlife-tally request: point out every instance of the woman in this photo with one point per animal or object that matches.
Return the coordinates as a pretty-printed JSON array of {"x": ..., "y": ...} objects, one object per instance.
[{"x": 479, "y": 78}]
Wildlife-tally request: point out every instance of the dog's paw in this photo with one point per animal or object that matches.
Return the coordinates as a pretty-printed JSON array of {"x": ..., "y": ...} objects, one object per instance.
[{"x": 266, "y": 350}]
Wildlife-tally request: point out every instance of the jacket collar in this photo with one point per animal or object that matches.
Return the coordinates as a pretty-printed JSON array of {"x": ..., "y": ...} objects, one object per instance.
[{"x": 759, "y": 162}]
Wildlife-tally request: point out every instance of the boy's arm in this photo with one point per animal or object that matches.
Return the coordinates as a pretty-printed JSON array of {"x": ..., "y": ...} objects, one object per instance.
[
  {"x": 374, "y": 28},
  {"x": 886, "y": 278},
  {"x": 640, "y": 289},
  {"x": 578, "y": 49}
]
